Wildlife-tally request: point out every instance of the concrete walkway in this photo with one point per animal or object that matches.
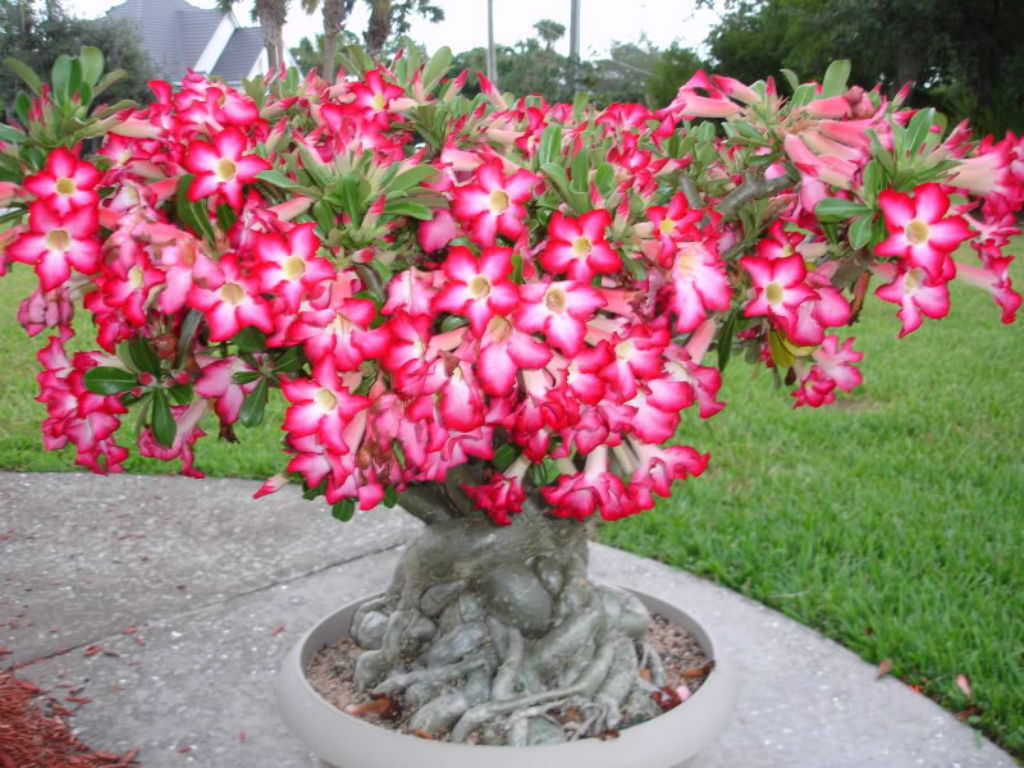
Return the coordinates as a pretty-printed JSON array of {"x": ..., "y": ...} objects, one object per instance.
[{"x": 172, "y": 601}]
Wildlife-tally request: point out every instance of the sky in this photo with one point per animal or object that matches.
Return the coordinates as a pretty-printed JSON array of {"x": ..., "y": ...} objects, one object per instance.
[{"x": 465, "y": 26}]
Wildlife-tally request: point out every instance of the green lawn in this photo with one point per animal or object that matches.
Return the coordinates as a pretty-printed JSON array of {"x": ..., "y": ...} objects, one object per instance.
[{"x": 892, "y": 523}]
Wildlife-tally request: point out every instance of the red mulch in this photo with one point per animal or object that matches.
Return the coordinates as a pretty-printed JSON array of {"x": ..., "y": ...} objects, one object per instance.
[{"x": 34, "y": 736}]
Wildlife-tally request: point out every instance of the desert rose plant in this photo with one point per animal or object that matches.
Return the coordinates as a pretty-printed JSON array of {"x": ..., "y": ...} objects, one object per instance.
[{"x": 495, "y": 312}]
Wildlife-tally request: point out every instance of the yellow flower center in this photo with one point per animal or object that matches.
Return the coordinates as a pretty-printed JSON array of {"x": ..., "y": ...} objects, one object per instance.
[
  {"x": 554, "y": 300},
  {"x": 66, "y": 186},
  {"x": 774, "y": 293},
  {"x": 917, "y": 232},
  {"x": 58, "y": 240},
  {"x": 581, "y": 246},
  {"x": 325, "y": 400},
  {"x": 499, "y": 201},
  {"x": 294, "y": 267},
  {"x": 379, "y": 102},
  {"x": 479, "y": 287},
  {"x": 136, "y": 277},
  {"x": 686, "y": 261},
  {"x": 232, "y": 293},
  {"x": 624, "y": 349},
  {"x": 913, "y": 280},
  {"x": 226, "y": 169},
  {"x": 666, "y": 226}
]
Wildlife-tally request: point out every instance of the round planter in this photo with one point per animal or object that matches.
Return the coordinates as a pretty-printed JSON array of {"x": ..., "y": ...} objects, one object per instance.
[{"x": 672, "y": 740}]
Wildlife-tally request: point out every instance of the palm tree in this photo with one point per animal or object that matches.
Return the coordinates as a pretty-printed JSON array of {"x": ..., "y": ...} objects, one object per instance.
[
  {"x": 334, "y": 13},
  {"x": 271, "y": 15}
]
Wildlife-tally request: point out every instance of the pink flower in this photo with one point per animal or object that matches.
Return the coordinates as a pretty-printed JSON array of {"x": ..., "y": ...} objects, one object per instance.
[
  {"x": 578, "y": 246},
  {"x": 832, "y": 370},
  {"x": 918, "y": 233},
  {"x": 232, "y": 302},
  {"x": 779, "y": 286},
  {"x": 560, "y": 310},
  {"x": 288, "y": 265},
  {"x": 699, "y": 285},
  {"x": 186, "y": 420},
  {"x": 321, "y": 407},
  {"x": 494, "y": 203},
  {"x": 222, "y": 167},
  {"x": 65, "y": 183},
  {"x": 54, "y": 244},
  {"x": 217, "y": 381},
  {"x": 916, "y": 294},
  {"x": 477, "y": 288}
]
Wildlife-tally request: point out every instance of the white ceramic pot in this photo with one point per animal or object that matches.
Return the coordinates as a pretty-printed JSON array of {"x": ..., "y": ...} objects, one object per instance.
[{"x": 672, "y": 740}]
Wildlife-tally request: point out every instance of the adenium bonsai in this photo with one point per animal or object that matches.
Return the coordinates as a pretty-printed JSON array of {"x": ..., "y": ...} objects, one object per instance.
[{"x": 491, "y": 311}]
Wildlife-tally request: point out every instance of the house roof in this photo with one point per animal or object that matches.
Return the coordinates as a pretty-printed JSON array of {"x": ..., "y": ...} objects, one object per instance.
[
  {"x": 242, "y": 50},
  {"x": 175, "y": 33}
]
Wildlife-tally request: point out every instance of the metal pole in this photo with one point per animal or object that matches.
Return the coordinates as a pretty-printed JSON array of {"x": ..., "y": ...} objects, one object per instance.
[
  {"x": 574, "y": 43},
  {"x": 492, "y": 62}
]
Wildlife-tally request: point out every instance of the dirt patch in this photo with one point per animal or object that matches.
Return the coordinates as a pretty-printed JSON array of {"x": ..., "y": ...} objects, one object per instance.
[{"x": 331, "y": 675}]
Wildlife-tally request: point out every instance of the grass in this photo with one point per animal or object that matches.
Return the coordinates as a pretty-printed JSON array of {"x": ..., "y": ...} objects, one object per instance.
[{"x": 892, "y": 523}]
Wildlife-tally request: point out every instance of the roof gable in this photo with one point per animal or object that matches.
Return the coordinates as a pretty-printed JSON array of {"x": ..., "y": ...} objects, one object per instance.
[{"x": 175, "y": 34}]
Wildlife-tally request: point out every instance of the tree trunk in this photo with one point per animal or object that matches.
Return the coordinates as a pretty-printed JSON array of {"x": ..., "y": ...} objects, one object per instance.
[
  {"x": 486, "y": 629},
  {"x": 379, "y": 28},
  {"x": 334, "y": 21}
]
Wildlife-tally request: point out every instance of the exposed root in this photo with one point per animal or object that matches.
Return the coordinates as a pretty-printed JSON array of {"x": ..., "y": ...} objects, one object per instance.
[{"x": 494, "y": 634}]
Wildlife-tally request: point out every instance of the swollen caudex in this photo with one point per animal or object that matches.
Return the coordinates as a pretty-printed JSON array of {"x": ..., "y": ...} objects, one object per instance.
[{"x": 481, "y": 639}]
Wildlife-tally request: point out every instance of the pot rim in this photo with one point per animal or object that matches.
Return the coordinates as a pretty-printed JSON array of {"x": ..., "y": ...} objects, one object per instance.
[{"x": 316, "y": 721}]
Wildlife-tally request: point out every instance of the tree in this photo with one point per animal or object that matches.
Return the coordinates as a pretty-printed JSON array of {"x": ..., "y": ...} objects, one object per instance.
[
  {"x": 334, "y": 13},
  {"x": 37, "y": 40},
  {"x": 964, "y": 58},
  {"x": 549, "y": 31},
  {"x": 389, "y": 21},
  {"x": 674, "y": 67}
]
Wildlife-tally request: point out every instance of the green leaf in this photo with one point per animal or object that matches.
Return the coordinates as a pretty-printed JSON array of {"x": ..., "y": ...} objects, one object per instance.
[
  {"x": 604, "y": 179},
  {"x": 226, "y": 217},
  {"x": 60, "y": 77},
  {"x": 315, "y": 167},
  {"x": 873, "y": 180},
  {"x": 725, "y": 339},
  {"x": 437, "y": 67},
  {"x": 278, "y": 179},
  {"x": 143, "y": 356},
  {"x": 411, "y": 178},
  {"x": 504, "y": 456},
  {"x": 580, "y": 170},
  {"x": 834, "y": 83},
  {"x": 162, "y": 420},
  {"x": 289, "y": 361},
  {"x": 550, "y": 147},
  {"x": 108, "y": 80},
  {"x": 244, "y": 377},
  {"x": 92, "y": 64},
  {"x": 917, "y": 129},
  {"x": 193, "y": 214},
  {"x": 803, "y": 95},
  {"x": 390, "y": 497},
  {"x": 250, "y": 339},
  {"x": 11, "y": 135},
  {"x": 181, "y": 394},
  {"x": 75, "y": 80},
  {"x": 860, "y": 231},
  {"x": 107, "y": 380},
  {"x": 791, "y": 78},
  {"x": 350, "y": 197},
  {"x": 254, "y": 406},
  {"x": 25, "y": 72},
  {"x": 187, "y": 333},
  {"x": 836, "y": 209},
  {"x": 343, "y": 510},
  {"x": 408, "y": 208}
]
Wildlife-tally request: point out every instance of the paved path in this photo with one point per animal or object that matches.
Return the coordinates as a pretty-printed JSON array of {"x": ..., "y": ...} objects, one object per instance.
[{"x": 217, "y": 587}]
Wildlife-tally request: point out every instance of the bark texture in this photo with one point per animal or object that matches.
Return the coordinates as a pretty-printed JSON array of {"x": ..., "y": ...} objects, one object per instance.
[{"x": 493, "y": 633}]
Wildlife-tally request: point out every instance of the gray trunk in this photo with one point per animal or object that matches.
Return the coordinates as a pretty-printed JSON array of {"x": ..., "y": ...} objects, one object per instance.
[{"x": 485, "y": 630}]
